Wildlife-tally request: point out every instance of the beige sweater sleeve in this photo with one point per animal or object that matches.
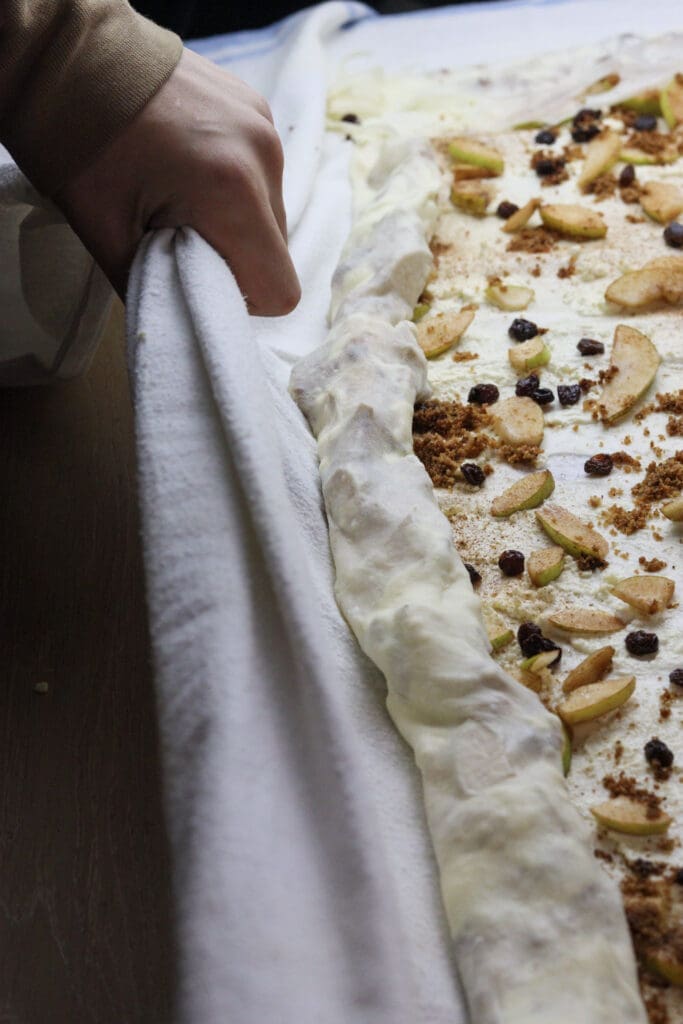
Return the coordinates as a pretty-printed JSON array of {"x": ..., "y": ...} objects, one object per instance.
[{"x": 72, "y": 74}]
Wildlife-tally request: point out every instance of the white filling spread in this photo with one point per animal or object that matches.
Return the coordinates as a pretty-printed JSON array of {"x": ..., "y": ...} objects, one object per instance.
[{"x": 538, "y": 926}]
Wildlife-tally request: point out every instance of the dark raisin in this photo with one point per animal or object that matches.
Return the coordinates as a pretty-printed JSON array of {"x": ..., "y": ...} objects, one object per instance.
[
  {"x": 483, "y": 394},
  {"x": 678, "y": 877},
  {"x": 522, "y": 330},
  {"x": 676, "y": 677},
  {"x": 526, "y": 386},
  {"x": 627, "y": 176},
  {"x": 584, "y": 127},
  {"x": 642, "y": 867},
  {"x": 506, "y": 209},
  {"x": 537, "y": 643},
  {"x": 587, "y": 114},
  {"x": 351, "y": 118},
  {"x": 542, "y": 396},
  {"x": 526, "y": 630},
  {"x": 599, "y": 465},
  {"x": 511, "y": 563},
  {"x": 475, "y": 577},
  {"x": 673, "y": 235},
  {"x": 656, "y": 750},
  {"x": 545, "y": 137},
  {"x": 640, "y": 643},
  {"x": 590, "y": 347},
  {"x": 568, "y": 394},
  {"x": 544, "y": 168},
  {"x": 473, "y": 473},
  {"x": 645, "y": 123},
  {"x": 586, "y": 133}
]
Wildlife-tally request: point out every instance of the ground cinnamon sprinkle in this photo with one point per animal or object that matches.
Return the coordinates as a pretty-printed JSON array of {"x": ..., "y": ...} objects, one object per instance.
[{"x": 533, "y": 240}]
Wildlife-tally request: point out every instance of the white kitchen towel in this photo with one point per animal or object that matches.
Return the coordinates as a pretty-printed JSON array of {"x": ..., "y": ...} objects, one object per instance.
[{"x": 304, "y": 881}]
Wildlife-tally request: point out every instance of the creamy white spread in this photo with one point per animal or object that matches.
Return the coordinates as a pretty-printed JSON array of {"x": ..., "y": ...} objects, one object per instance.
[{"x": 537, "y": 925}]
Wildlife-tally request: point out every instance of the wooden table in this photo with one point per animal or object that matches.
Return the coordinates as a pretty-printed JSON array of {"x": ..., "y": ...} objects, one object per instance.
[{"x": 85, "y": 919}]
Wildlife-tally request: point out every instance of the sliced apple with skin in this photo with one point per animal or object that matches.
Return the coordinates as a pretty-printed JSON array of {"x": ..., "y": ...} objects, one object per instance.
[
  {"x": 545, "y": 565},
  {"x": 590, "y": 670},
  {"x": 498, "y": 640},
  {"x": 635, "y": 360},
  {"x": 566, "y": 750},
  {"x": 589, "y": 702},
  {"x": 573, "y": 220},
  {"x": 659, "y": 280},
  {"x": 577, "y": 538},
  {"x": 673, "y": 510},
  {"x": 603, "y": 84},
  {"x": 529, "y": 355},
  {"x": 471, "y": 197},
  {"x": 436, "y": 334},
  {"x": 531, "y": 680},
  {"x": 647, "y": 594},
  {"x": 518, "y": 421},
  {"x": 529, "y": 492},
  {"x": 537, "y": 662},
  {"x": 661, "y": 201},
  {"x": 509, "y": 297},
  {"x": 469, "y": 151},
  {"x": 521, "y": 217},
  {"x": 588, "y": 621},
  {"x": 671, "y": 101},
  {"x": 646, "y": 102},
  {"x": 470, "y": 172},
  {"x": 420, "y": 310},
  {"x": 602, "y": 153},
  {"x": 639, "y": 158},
  {"x": 666, "y": 966},
  {"x": 623, "y": 814}
]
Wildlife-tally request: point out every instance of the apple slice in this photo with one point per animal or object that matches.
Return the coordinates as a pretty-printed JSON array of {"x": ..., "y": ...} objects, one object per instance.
[
  {"x": 545, "y": 565},
  {"x": 566, "y": 750},
  {"x": 647, "y": 594},
  {"x": 661, "y": 201},
  {"x": 537, "y": 662},
  {"x": 521, "y": 218},
  {"x": 573, "y": 220},
  {"x": 589, "y": 702},
  {"x": 671, "y": 101},
  {"x": 673, "y": 510},
  {"x": 470, "y": 172},
  {"x": 590, "y": 670},
  {"x": 420, "y": 310},
  {"x": 623, "y": 814},
  {"x": 602, "y": 153},
  {"x": 436, "y": 334},
  {"x": 469, "y": 151},
  {"x": 590, "y": 621},
  {"x": 577, "y": 538},
  {"x": 471, "y": 197},
  {"x": 529, "y": 355},
  {"x": 635, "y": 360},
  {"x": 531, "y": 680},
  {"x": 500, "y": 640},
  {"x": 529, "y": 492},
  {"x": 668, "y": 154},
  {"x": 603, "y": 84},
  {"x": 666, "y": 966},
  {"x": 518, "y": 421},
  {"x": 659, "y": 280},
  {"x": 646, "y": 102},
  {"x": 510, "y": 297}
]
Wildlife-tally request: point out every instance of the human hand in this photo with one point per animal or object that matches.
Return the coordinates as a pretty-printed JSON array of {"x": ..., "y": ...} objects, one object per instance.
[{"x": 202, "y": 153}]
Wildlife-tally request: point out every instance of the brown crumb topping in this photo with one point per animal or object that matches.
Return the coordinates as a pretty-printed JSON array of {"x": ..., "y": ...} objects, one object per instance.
[
  {"x": 533, "y": 240},
  {"x": 631, "y": 194},
  {"x": 651, "y": 564},
  {"x": 555, "y": 164},
  {"x": 465, "y": 357},
  {"x": 655, "y": 144},
  {"x": 627, "y": 462},
  {"x": 516, "y": 454},
  {"x": 445, "y": 434},
  {"x": 625, "y": 785},
  {"x": 674, "y": 426},
  {"x": 671, "y": 401},
  {"x": 662, "y": 480},
  {"x": 603, "y": 186},
  {"x": 569, "y": 270}
]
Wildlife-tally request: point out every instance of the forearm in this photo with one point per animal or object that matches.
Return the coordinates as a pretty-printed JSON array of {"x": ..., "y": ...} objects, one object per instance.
[{"x": 73, "y": 73}]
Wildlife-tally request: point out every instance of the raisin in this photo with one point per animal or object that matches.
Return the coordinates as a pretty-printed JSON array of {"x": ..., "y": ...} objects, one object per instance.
[
  {"x": 673, "y": 235},
  {"x": 483, "y": 394},
  {"x": 526, "y": 630},
  {"x": 568, "y": 394},
  {"x": 585, "y": 134},
  {"x": 537, "y": 643},
  {"x": 627, "y": 176},
  {"x": 522, "y": 330},
  {"x": 599, "y": 465},
  {"x": 678, "y": 877},
  {"x": 645, "y": 123},
  {"x": 475, "y": 577},
  {"x": 639, "y": 643},
  {"x": 546, "y": 137},
  {"x": 511, "y": 563},
  {"x": 506, "y": 209},
  {"x": 526, "y": 386},
  {"x": 657, "y": 751},
  {"x": 590, "y": 347},
  {"x": 676, "y": 677},
  {"x": 473, "y": 473},
  {"x": 584, "y": 127},
  {"x": 542, "y": 396},
  {"x": 544, "y": 168},
  {"x": 351, "y": 118}
]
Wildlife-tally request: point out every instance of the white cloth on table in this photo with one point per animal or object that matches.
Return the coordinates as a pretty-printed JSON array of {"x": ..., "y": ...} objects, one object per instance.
[{"x": 304, "y": 881}]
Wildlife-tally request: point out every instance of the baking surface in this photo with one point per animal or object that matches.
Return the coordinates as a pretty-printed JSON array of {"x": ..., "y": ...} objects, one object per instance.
[{"x": 85, "y": 923}]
